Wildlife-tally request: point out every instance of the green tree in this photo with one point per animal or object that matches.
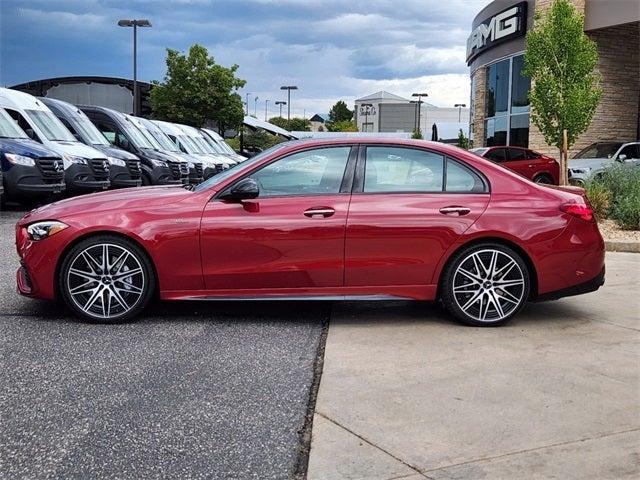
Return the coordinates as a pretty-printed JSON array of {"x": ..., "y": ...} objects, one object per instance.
[
  {"x": 561, "y": 62},
  {"x": 463, "y": 141},
  {"x": 295, "y": 124},
  {"x": 196, "y": 89},
  {"x": 416, "y": 135},
  {"x": 340, "y": 113},
  {"x": 343, "y": 126}
]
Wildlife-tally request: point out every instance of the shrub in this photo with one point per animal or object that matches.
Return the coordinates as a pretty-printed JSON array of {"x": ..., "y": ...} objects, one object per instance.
[
  {"x": 623, "y": 181},
  {"x": 599, "y": 197}
]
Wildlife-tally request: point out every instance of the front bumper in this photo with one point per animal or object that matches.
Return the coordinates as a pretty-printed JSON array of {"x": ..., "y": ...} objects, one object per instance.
[
  {"x": 123, "y": 177},
  {"x": 80, "y": 177},
  {"x": 21, "y": 181}
]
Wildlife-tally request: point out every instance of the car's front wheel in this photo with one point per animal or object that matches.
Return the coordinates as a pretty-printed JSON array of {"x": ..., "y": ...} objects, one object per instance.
[
  {"x": 485, "y": 285},
  {"x": 106, "y": 279}
]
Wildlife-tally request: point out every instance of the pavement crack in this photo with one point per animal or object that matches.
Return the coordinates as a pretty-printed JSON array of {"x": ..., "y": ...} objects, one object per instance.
[
  {"x": 527, "y": 450},
  {"x": 369, "y": 442}
]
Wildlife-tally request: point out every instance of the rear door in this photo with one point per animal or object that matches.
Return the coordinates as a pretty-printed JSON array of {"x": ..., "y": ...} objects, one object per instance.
[{"x": 409, "y": 205}]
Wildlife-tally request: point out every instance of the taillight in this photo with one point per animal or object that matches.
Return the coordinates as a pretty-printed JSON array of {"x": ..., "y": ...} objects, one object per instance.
[{"x": 578, "y": 210}]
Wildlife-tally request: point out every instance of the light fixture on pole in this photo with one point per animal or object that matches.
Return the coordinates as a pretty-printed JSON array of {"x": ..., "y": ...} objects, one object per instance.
[
  {"x": 280, "y": 104},
  {"x": 288, "y": 88},
  {"x": 266, "y": 109},
  {"x": 255, "y": 107},
  {"x": 459, "y": 106},
  {"x": 135, "y": 23},
  {"x": 246, "y": 103},
  {"x": 366, "y": 106},
  {"x": 419, "y": 95}
]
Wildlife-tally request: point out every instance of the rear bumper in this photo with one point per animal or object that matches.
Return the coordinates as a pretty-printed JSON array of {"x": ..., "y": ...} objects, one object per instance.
[{"x": 586, "y": 287}]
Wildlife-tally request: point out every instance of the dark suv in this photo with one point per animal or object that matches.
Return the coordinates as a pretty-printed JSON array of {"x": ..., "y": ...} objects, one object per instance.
[{"x": 158, "y": 168}]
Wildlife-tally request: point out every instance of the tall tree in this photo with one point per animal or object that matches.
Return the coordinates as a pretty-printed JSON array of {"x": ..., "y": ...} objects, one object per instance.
[
  {"x": 561, "y": 62},
  {"x": 196, "y": 89},
  {"x": 295, "y": 124},
  {"x": 340, "y": 113}
]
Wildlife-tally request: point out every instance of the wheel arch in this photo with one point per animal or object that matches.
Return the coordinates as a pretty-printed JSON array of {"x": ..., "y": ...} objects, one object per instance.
[
  {"x": 96, "y": 233},
  {"x": 533, "y": 273}
]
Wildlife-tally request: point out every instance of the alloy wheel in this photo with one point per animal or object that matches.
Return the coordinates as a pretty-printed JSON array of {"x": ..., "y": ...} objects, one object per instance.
[
  {"x": 488, "y": 285},
  {"x": 105, "y": 281}
]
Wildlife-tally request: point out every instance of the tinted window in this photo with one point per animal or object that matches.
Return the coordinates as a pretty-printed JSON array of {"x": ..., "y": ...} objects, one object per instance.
[
  {"x": 599, "y": 150},
  {"x": 519, "y": 131},
  {"x": 497, "y": 155},
  {"x": 498, "y": 89},
  {"x": 516, "y": 154},
  {"x": 393, "y": 169},
  {"x": 462, "y": 179},
  {"x": 520, "y": 87},
  {"x": 311, "y": 172},
  {"x": 631, "y": 151},
  {"x": 531, "y": 155},
  {"x": 496, "y": 131}
]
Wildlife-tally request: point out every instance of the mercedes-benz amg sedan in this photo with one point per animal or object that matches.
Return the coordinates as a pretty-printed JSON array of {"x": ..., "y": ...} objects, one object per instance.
[{"x": 366, "y": 219}]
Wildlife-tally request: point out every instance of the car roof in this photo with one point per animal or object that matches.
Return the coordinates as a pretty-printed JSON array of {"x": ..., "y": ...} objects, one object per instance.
[
  {"x": 15, "y": 99},
  {"x": 169, "y": 127},
  {"x": 64, "y": 108}
]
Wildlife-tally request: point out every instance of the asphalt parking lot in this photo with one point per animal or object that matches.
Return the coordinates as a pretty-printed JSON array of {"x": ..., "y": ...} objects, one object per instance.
[{"x": 191, "y": 391}]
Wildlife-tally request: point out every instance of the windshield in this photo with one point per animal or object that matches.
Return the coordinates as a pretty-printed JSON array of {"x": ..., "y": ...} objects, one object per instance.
[
  {"x": 87, "y": 130},
  {"x": 9, "y": 128},
  {"x": 599, "y": 150},
  {"x": 223, "y": 146},
  {"x": 479, "y": 151},
  {"x": 160, "y": 137},
  {"x": 201, "y": 142},
  {"x": 135, "y": 135},
  {"x": 213, "y": 144},
  {"x": 239, "y": 167},
  {"x": 189, "y": 145},
  {"x": 50, "y": 126}
]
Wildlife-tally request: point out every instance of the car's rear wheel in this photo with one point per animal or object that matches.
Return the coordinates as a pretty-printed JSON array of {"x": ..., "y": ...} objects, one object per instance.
[
  {"x": 485, "y": 285},
  {"x": 106, "y": 279},
  {"x": 543, "y": 179}
]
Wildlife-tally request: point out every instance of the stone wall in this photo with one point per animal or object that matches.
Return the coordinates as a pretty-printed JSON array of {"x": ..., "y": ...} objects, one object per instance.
[{"x": 477, "y": 121}]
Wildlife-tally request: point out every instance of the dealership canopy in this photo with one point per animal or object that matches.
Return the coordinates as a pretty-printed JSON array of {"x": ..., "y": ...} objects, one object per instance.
[{"x": 256, "y": 124}]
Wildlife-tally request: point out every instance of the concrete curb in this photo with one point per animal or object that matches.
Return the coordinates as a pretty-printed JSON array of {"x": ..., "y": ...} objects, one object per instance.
[{"x": 622, "y": 246}]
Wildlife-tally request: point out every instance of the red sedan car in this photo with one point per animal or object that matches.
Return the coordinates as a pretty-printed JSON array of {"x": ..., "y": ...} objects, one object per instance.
[
  {"x": 533, "y": 165},
  {"x": 335, "y": 219}
]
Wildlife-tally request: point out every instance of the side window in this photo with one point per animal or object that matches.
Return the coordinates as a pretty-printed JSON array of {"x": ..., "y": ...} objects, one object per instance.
[
  {"x": 312, "y": 172},
  {"x": 394, "y": 169},
  {"x": 107, "y": 130},
  {"x": 23, "y": 124},
  {"x": 462, "y": 179},
  {"x": 631, "y": 151},
  {"x": 69, "y": 127},
  {"x": 516, "y": 154},
  {"x": 531, "y": 155},
  {"x": 497, "y": 155}
]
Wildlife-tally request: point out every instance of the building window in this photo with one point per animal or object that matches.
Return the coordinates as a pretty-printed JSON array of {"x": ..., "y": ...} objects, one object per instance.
[
  {"x": 507, "y": 104},
  {"x": 367, "y": 127}
]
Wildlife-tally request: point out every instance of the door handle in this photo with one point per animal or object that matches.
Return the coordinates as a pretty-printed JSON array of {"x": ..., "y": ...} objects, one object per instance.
[
  {"x": 455, "y": 209},
  {"x": 325, "y": 212}
]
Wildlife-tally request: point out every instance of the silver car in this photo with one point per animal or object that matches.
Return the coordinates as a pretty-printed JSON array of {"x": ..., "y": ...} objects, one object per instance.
[{"x": 591, "y": 162}]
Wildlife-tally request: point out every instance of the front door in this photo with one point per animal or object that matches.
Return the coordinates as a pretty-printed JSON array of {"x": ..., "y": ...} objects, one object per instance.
[
  {"x": 409, "y": 205},
  {"x": 288, "y": 240}
]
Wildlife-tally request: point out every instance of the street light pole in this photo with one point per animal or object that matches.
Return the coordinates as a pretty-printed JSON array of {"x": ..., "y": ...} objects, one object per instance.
[
  {"x": 366, "y": 114},
  {"x": 246, "y": 103},
  {"x": 266, "y": 109},
  {"x": 288, "y": 88},
  {"x": 135, "y": 23},
  {"x": 255, "y": 107},
  {"x": 459, "y": 107},
  {"x": 419, "y": 95},
  {"x": 280, "y": 103}
]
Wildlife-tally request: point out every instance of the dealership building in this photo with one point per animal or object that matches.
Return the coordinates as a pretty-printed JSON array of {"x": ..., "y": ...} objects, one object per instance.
[{"x": 500, "y": 110}]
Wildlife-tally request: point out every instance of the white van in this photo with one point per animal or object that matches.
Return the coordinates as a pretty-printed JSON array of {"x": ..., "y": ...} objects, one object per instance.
[
  {"x": 86, "y": 169},
  {"x": 187, "y": 144}
]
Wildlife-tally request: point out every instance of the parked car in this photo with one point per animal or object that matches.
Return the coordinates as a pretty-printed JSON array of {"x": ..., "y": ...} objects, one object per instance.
[
  {"x": 215, "y": 139},
  {"x": 186, "y": 145},
  {"x": 197, "y": 138},
  {"x": 158, "y": 168},
  {"x": 164, "y": 144},
  {"x": 592, "y": 161},
  {"x": 124, "y": 167},
  {"x": 324, "y": 219},
  {"x": 86, "y": 169},
  {"x": 535, "y": 166},
  {"x": 28, "y": 170}
]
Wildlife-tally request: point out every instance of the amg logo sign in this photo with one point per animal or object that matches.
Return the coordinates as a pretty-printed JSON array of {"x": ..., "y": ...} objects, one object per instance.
[{"x": 509, "y": 23}]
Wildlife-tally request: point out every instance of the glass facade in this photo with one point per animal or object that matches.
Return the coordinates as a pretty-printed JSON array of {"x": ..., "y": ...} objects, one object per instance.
[{"x": 507, "y": 103}]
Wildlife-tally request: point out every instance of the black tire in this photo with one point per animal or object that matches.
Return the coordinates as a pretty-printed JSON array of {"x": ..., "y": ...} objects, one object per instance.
[
  {"x": 115, "y": 289},
  {"x": 543, "y": 179},
  {"x": 466, "y": 288}
]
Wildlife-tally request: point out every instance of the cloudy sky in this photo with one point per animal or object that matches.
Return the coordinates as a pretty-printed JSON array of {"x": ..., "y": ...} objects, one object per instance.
[{"x": 331, "y": 49}]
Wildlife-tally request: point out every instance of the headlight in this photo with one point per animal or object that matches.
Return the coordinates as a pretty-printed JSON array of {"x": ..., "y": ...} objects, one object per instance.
[
  {"x": 69, "y": 160},
  {"x": 581, "y": 171},
  {"x": 20, "y": 160},
  {"x": 159, "y": 163},
  {"x": 41, "y": 230},
  {"x": 191, "y": 165},
  {"x": 116, "y": 162},
  {"x": 225, "y": 166}
]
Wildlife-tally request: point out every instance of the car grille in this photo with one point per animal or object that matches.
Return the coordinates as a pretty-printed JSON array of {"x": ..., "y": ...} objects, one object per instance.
[
  {"x": 134, "y": 167},
  {"x": 199, "y": 169},
  {"x": 100, "y": 168},
  {"x": 51, "y": 168},
  {"x": 175, "y": 170}
]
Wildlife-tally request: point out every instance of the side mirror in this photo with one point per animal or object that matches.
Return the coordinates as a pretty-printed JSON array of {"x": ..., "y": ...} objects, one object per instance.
[
  {"x": 30, "y": 133},
  {"x": 622, "y": 157},
  {"x": 245, "y": 189},
  {"x": 124, "y": 144}
]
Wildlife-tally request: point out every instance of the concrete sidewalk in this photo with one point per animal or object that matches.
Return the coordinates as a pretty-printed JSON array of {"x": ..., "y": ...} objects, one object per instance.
[{"x": 406, "y": 393}]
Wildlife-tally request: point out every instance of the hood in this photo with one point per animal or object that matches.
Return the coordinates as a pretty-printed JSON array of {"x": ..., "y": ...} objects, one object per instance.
[
  {"x": 115, "y": 152},
  {"x": 592, "y": 163},
  {"x": 76, "y": 149},
  {"x": 124, "y": 199},
  {"x": 26, "y": 147},
  {"x": 158, "y": 155}
]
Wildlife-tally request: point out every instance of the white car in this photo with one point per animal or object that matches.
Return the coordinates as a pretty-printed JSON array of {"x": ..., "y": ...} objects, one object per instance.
[{"x": 592, "y": 161}]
